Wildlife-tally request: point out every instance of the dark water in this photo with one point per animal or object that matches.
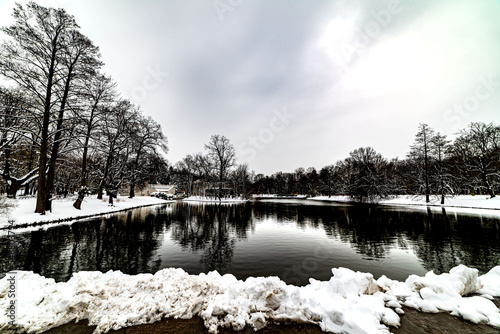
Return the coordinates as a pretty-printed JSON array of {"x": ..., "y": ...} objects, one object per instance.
[{"x": 292, "y": 240}]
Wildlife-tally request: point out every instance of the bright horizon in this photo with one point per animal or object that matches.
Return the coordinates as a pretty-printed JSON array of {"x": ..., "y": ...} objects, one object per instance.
[{"x": 295, "y": 84}]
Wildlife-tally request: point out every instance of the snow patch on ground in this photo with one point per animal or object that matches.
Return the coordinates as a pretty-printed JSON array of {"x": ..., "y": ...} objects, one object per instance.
[
  {"x": 350, "y": 302},
  {"x": 22, "y": 210},
  {"x": 465, "y": 202},
  {"x": 202, "y": 199},
  {"x": 273, "y": 196}
]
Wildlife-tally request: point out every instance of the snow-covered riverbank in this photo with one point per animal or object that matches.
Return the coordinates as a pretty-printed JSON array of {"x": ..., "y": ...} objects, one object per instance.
[
  {"x": 462, "y": 201},
  {"x": 22, "y": 210},
  {"x": 203, "y": 199},
  {"x": 114, "y": 300},
  {"x": 479, "y": 204}
]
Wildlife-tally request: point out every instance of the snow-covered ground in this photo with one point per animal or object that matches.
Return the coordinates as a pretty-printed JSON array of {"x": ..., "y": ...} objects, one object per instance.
[
  {"x": 271, "y": 196},
  {"x": 22, "y": 210},
  {"x": 350, "y": 302},
  {"x": 462, "y": 201},
  {"x": 202, "y": 199}
]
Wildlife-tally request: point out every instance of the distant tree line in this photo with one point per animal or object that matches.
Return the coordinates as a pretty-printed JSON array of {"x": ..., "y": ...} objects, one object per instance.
[
  {"x": 214, "y": 173},
  {"x": 434, "y": 166},
  {"x": 470, "y": 164},
  {"x": 63, "y": 126}
]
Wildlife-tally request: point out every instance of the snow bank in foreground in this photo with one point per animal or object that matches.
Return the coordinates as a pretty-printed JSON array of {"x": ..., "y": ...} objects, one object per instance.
[{"x": 350, "y": 302}]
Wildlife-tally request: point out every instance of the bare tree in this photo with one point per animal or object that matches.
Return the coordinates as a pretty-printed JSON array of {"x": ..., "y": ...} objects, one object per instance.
[
  {"x": 115, "y": 148},
  {"x": 440, "y": 149},
  {"x": 146, "y": 137},
  {"x": 327, "y": 176},
  {"x": 368, "y": 177},
  {"x": 80, "y": 59},
  {"x": 98, "y": 92},
  {"x": 222, "y": 155},
  {"x": 421, "y": 154},
  {"x": 187, "y": 170},
  {"x": 17, "y": 133},
  {"x": 241, "y": 178},
  {"x": 479, "y": 146},
  {"x": 32, "y": 58}
]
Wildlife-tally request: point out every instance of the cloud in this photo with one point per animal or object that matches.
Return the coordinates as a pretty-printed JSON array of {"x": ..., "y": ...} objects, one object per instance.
[{"x": 229, "y": 76}]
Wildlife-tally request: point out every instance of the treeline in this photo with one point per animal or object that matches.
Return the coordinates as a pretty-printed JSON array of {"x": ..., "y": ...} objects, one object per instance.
[
  {"x": 469, "y": 164},
  {"x": 213, "y": 173},
  {"x": 64, "y": 127}
]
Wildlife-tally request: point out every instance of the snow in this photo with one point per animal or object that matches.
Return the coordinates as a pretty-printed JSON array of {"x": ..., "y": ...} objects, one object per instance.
[
  {"x": 466, "y": 203},
  {"x": 115, "y": 300},
  {"x": 350, "y": 302},
  {"x": 436, "y": 293},
  {"x": 63, "y": 210},
  {"x": 490, "y": 282},
  {"x": 203, "y": 199},
  {"x": 273, "y": 196}
]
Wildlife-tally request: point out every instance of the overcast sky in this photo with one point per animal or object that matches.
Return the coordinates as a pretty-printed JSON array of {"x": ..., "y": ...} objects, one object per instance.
[{"x": 298, "y": 83}]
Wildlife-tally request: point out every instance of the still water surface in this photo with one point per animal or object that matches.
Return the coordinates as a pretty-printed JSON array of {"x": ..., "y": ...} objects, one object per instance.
[{"x": 294, "y": 240}]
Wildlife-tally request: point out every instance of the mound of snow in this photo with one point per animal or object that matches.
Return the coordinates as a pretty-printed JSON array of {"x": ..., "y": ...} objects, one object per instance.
[
  {"x": 436, "y": 293},
  {"x": 114, "y": 300}
]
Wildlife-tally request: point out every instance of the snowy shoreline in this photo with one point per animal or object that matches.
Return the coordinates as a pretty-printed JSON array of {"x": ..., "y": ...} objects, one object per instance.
[
  {"x": 114, "y": 300},
  {"x": 461, "y": 203},
  {"x": 202, "y": 199},
  {"x": 63, "y": 211}
]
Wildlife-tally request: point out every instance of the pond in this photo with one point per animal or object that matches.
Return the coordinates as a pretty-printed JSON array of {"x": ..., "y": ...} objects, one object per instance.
[{"x": 295, "y": 240}]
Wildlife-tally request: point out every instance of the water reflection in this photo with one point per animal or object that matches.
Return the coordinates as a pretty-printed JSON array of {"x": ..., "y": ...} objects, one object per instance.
[
  {"x": 212, "y": 228},
  {"x": 294, "y": 240},
  {"x": 126, "y": 242}
]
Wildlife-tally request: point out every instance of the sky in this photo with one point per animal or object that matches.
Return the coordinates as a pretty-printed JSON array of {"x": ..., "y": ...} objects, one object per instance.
[{"x": 298, "y": 83}]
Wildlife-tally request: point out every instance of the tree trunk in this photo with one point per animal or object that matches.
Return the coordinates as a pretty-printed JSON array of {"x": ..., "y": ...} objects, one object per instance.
[
  {"x": 426, "y": 166},
  {"x": 11, "y": 191},
  {"x": 79, "y": 200},
  {"x": 57, "y": 137},
  {"x": 487, "y": 185},
  {"x": 100, "y": 192},
  {"x": 27, "y": 187},
  {"x": 110, "y": 195},
  {"x": 51, "y": 172},
  {"x": 105, "y": 176},
  {"x": 220, "y": 182},
  {"x": 41, "y": 196},
  {"x": 132, "y": 190},
  {"x": 83, "y": 177},
  {"x": 83, "y": 183},
  {"x": 13, "y": 188},
  {"x": 78, "y": 203},
  {"x": 442, "y": 190}
]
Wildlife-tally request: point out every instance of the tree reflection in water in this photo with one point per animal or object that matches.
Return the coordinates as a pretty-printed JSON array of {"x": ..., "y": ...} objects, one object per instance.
[
  {"x": 123, "y": 242},
  {"x": 213, "y": 229},
  {"x": 210, "y": 234}
]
